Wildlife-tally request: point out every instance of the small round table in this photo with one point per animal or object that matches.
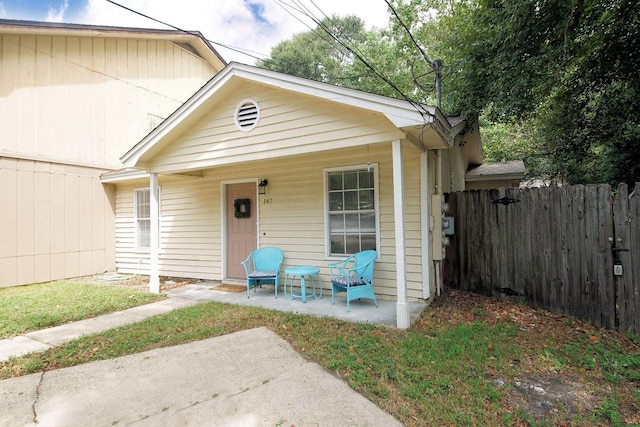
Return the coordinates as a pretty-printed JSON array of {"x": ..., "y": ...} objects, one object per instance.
[{"x": 313, "y": 273}]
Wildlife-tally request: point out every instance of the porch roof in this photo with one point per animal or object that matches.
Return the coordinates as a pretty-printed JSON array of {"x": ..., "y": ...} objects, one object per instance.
[{"x": 424, "y": 126}]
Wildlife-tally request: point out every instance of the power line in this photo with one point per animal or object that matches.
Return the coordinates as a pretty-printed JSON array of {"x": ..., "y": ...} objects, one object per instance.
[
  {"x": 235, "y": 49},
  {"x": 424, "y": 54},
  {"x": 299, "y": 7},
  {"x": 357, "y": 54},
  {"x": 436, "y": 64}
]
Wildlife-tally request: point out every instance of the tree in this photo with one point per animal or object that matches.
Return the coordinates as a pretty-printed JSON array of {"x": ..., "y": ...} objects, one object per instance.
[
  {"x": 556, "y": 77},
  {"x": 315, "y": 54},
  {"x": 369, "y": 62},
  {"x": 568, "y": 69}
]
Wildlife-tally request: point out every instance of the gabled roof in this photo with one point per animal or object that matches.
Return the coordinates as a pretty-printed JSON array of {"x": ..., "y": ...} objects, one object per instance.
[
  {"x": 193, "y": 41},
  {"x": 416, "y": 124}
]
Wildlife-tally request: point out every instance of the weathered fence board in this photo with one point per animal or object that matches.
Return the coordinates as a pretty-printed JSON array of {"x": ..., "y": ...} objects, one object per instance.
[
  {"x": 627, "y": 231},
  {"x": 555, "y": 246}
]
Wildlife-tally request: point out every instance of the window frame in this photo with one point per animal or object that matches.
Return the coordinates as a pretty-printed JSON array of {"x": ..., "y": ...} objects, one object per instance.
[
  {"x": 137, "y": 220},
  {"x": 374, "y": 168}
]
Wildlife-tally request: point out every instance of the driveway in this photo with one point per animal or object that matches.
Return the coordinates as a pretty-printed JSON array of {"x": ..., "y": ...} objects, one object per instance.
[{"x": 249, "y": 378}]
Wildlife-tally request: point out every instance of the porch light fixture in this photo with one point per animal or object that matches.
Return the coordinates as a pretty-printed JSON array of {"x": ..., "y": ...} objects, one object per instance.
[{"x": 262, "y": 186}]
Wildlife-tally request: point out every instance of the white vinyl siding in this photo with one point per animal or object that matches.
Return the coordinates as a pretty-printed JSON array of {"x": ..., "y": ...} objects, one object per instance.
[
  {"x": 292, "y": 216},
  {"x": 297, "y": 140},
  {"x": 351, "y": 210},
  {"x": 312, "y": 126},
  {"x": 189, "y": 229}
]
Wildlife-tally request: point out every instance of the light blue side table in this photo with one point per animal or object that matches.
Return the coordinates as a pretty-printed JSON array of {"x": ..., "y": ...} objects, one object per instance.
[{"x": 313, "y": 273}]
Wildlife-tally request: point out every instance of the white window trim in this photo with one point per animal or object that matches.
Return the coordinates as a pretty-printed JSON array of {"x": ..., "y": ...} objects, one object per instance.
[
  {"x": 376, "y": 195},
  {"x": 136, "y": 242},
  {"x": 136, "y": 220}
]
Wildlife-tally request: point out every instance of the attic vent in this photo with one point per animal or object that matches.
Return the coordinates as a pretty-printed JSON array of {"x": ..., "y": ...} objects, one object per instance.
[{"x": 247, "y": 115}]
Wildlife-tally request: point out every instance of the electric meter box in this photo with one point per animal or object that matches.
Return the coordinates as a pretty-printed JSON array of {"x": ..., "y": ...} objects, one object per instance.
[{"x": 448, "y": 225}]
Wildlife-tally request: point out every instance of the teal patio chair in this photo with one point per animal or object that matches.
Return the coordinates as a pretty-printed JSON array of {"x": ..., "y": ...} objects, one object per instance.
[
  {"x": 263, "y": 268},
  {"x": 354, "y": 275}
]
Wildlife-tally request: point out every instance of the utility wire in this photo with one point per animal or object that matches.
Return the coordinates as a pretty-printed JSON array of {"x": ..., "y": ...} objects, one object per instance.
[
  {"x": 197, "y": 34},
  {"x": 436, "y": 65},
  {"x": 354, "y": 51},
  {"x": 415, "y": 42},
  {"x": 304, "y": 10}
]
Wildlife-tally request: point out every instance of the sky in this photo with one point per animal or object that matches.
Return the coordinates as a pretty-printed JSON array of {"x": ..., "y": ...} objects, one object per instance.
[{"x": 250, "y": 25}]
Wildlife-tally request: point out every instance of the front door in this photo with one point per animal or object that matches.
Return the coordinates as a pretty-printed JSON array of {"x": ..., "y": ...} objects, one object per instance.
[{"x": 241, "y": 226}]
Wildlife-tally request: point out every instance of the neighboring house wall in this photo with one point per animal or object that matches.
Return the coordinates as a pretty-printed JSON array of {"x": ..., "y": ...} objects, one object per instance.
[
  {"x": 70, "y": 106},
  {"x": 88, "y": 100},
  {"x": 291, "y": 216},
  {"x": 55, "y": 221}
]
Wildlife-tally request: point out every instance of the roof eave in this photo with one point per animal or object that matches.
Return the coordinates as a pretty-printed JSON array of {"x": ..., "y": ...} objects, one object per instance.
[
  {"x": 488, "y": 177},
  {"x": 123, "y": 175},
  {"x": 194, "y": 38}
]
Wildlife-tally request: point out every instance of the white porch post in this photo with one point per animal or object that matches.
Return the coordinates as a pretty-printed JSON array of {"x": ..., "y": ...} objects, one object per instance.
[
  {"x": 402, "y": 309},
  {"x": 154, "y": 203},
  {"x": 425, "y": 209}
]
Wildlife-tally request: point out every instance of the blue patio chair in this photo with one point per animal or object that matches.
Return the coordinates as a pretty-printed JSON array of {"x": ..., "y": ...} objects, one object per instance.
[
  {"x": 354, "y": 275},
  {"x": 263, "y": 268}
]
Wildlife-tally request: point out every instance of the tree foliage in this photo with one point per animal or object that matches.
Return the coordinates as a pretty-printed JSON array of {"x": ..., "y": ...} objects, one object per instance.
[
  {"x": 555, "y": 81},
  {"x": 567, "y": 69},
  {"x": 315, "y": 54}
]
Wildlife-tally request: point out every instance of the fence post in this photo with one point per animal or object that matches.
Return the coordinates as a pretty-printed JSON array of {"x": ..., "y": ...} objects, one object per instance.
[{"x": 627, "y": 254}]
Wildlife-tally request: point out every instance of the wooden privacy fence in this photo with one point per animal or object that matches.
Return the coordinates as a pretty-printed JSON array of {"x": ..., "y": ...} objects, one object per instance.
[{"x": 572, "y": 250}]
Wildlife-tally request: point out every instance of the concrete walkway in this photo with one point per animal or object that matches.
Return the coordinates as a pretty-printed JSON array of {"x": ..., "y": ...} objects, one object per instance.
[
  {"x": 44, "y": 339},
  {"x": 361, "y": 311}
]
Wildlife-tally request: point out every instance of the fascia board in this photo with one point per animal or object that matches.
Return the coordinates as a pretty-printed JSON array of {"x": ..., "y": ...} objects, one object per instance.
[
  {"x": 123, "y": 175},
  {"x": 399, "y": 112}
]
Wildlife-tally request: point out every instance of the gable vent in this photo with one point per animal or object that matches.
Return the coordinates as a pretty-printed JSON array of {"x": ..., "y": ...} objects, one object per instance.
[{"x": 247, "y": 115}]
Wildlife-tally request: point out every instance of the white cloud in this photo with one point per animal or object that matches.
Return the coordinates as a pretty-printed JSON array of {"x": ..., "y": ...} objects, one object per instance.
[
  {"x": 230, "y": 22},
  {"x": 57, "y": 14}
]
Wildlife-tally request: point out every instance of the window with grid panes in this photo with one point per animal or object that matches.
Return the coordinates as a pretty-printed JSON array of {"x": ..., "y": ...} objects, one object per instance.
[
  {"x": 352, "y": 210},
  {"x": 143, "y": 219}
]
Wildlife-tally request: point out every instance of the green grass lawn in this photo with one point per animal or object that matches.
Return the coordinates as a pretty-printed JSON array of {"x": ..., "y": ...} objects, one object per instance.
[
  {"x": 469, "y": 360},
  {"x": 28, "y": 308}
]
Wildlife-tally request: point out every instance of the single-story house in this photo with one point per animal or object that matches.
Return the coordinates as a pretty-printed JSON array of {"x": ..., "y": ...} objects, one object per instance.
[{"x": 257, "y": 158}]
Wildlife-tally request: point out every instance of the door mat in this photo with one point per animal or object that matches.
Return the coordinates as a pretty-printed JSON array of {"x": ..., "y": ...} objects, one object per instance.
[{"x": 229, "y": 288}]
